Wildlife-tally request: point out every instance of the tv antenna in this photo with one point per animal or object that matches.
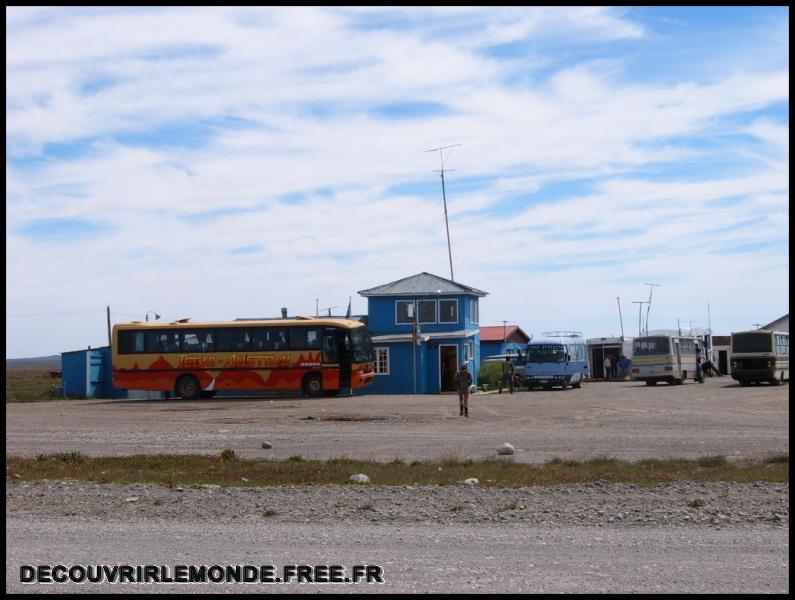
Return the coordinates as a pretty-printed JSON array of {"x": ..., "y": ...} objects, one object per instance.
[
  {"x": 444, "y": 197},
  {"x": 648, "y": 308},
  {"x": 640, "y": 304}
]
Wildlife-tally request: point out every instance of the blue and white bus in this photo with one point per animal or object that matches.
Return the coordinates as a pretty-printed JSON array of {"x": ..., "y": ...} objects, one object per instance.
[
  {"x": 556, "y": 359},
  {"x": 669, "y": 358}
]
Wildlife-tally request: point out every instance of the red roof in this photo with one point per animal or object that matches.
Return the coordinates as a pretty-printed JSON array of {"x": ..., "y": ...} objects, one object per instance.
[{"x": 498, "y": 333}]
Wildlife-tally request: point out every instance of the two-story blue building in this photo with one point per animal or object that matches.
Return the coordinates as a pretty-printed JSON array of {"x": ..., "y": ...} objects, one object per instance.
[{"x": 423, "y": 328}]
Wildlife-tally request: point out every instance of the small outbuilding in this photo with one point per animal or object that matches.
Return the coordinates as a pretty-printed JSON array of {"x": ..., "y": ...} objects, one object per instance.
[
  {"x": 502, "y": 339},
  {"x": 89, "y": 374},
  {"x": 606, "y": 347}
]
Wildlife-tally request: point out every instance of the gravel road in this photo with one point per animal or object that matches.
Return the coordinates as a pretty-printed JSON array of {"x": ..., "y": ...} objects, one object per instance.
[
  {"x": 683, "y": 537},
  {"x": 624, "y": 420},
  {"x": 601, "y": 537}
]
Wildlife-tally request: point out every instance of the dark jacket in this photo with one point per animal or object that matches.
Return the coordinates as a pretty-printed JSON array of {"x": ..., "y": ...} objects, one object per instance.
[{"x": 463, "y": 379}]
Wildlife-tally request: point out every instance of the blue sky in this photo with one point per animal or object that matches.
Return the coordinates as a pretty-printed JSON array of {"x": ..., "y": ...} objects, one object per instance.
[{"x": 217, "y": 163}]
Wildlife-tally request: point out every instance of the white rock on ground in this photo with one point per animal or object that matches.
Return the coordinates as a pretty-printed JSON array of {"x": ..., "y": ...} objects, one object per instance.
[{"x": 506, "y": 448}]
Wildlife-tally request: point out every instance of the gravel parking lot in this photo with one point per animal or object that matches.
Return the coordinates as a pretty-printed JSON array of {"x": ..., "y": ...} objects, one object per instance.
[
  {"x": 625, "y": 420},
  {"x": 590, "y": 538}
]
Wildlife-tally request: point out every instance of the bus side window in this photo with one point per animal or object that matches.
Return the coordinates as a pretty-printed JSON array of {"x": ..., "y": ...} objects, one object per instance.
[
  {"x": 278, "y": 339},
  {"x": 208, "y": 344},
  {"x": 190, "y": 342},
  {"x": 298, "y": 338},
  {"x": 259, "y": 339}
]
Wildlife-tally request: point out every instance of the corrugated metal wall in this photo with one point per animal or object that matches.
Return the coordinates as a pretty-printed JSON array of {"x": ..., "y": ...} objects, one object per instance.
[{"x": 89, "y": 374}]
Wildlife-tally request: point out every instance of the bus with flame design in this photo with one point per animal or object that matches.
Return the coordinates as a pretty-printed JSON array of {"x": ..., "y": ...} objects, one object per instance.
[{"x": 315, "y": 356}]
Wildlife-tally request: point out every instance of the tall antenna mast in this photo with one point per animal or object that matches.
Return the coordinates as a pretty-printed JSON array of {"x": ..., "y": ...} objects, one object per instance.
[
  {"x": 620, "y": 317},
  {"x": 444, "y": 197},
  {"x": 640, "y": 304},
  {"x": 648, "y": 308}
]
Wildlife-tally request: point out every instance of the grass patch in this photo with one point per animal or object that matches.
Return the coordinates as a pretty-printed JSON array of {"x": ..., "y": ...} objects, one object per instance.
[
  {"x": 227, "y": 454},
  {"x": 187, "y": 470},
  {"x": 31, "y": 385}
]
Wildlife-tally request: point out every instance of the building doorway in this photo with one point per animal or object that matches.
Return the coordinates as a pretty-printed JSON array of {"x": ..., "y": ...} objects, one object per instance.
[
  {"x": 597, "y": 363},
  {"x": 723, "y": 362},
  {"x": 448, "y": 366}
]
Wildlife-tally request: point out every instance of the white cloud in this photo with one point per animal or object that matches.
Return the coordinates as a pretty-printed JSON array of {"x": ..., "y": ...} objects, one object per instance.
[{"x": 305, "y": 180}]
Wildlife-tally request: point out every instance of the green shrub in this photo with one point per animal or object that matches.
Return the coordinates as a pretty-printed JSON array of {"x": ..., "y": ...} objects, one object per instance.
[
  {"x": 228, "y": 454},
  {"x": 490, "y": 373}
]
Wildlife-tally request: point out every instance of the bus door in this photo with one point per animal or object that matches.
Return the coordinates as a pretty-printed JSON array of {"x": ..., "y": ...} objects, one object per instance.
[
  {"x": 345, "y": 346},
  {"x": 678, "y": 352},
  {"x": 337, "y": 350}
]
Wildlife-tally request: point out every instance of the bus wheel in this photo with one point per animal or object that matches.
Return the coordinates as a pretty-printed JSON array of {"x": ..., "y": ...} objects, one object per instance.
[
  {"x": 744, "y": 383},
  {"x": 313, "y": 384},
  {"x": 187, "y": 387}
]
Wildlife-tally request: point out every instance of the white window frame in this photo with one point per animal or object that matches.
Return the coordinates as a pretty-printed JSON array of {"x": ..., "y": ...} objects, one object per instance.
[
  {"x": 474, "y": 316},
  {"x": 457, "y": 311},
  {"x": 378, "y": 352},
  {"x": 398, "y": 302}
]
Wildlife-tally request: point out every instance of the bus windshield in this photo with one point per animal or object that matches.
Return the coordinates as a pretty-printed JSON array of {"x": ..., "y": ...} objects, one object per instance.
[
  {"x": 752, "y": 342},
  {"x": 362, "y": 345},
  {"x": 651, "y": 346},
  {"x": 545, "y": 353}
]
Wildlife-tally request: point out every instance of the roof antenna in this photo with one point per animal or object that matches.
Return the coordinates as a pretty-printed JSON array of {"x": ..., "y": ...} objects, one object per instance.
[
  {"x": 444, "y": 197},
  {"x": 648, "y": 308}
]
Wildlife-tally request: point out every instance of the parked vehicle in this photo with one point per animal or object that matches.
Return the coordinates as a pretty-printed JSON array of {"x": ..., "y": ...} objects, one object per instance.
[
  {"x": 669, "y": 358},
  {"x": 557, "y": 359},
  {"x": 760, "y": 355}
]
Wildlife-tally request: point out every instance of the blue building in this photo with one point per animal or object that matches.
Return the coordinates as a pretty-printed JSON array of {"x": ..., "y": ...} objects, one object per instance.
[
  {"x": 423, "y": 328},
  {"x": 88, "y": 374}
]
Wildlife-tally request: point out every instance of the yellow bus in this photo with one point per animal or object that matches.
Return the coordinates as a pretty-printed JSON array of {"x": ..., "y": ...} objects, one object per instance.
[{"x": 192, "y": 360}]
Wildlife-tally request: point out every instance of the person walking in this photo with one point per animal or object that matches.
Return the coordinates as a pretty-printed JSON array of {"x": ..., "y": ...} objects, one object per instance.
[
  {"x": 507, "y": 374},
  {"x": 463, "y": 379},
  {"x": 608, "y": 366}
]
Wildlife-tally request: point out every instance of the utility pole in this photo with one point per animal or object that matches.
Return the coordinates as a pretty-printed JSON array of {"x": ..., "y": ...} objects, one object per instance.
[
  {"x": 620, "y": 318},
  {"x": 640, "y": 304},
  {"x": 444, "y": 197},
  {"x": 648, "y": 308},
  {"x": 110, "y": 341}
]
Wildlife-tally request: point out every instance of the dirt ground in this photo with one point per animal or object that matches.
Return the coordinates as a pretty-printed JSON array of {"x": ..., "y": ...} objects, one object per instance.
[{"x": 626, "y": 420}]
